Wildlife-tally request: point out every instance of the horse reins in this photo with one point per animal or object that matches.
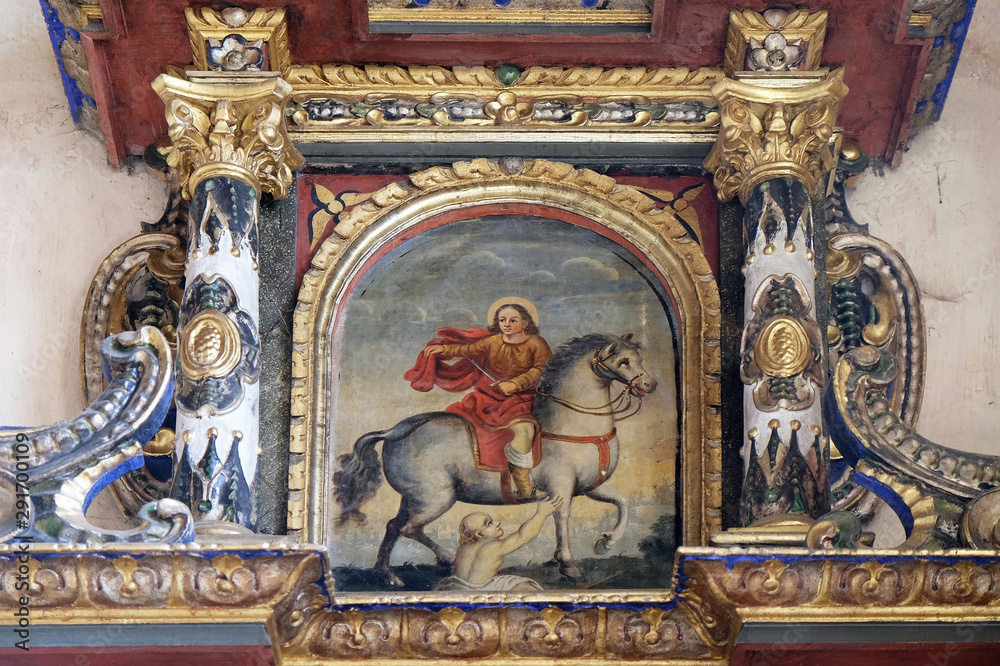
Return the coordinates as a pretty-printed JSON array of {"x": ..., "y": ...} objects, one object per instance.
[{"x": 614, "y": 409}]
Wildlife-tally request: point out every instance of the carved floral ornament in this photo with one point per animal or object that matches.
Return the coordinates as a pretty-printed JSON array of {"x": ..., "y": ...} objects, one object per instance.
[
  {"x": 284, "y": 586},
  {"x": 221, "y": 126},
  {"x": 235, "y": 39},
  {"x": 333, "y": 97},
  {"x": 775, "y": 40},
  {"x": 770, "y": 133}
]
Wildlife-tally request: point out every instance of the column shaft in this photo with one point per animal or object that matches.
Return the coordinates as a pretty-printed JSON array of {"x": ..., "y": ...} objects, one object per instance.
[
  {"x": 776, "y": 147},
  {"x": 217, "y": 394},
  {"x": 784, "y": 458},
  {"x": 228, "y": 145}
]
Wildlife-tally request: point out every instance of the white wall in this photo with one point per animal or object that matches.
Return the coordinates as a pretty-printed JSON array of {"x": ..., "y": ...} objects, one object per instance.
[
  {"x": 63, "y": 210},
  {"x": 941, "y": 210}
]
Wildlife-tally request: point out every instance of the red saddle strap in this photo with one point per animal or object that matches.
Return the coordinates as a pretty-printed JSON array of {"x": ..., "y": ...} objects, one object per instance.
[{"x": 603, "y": 452}]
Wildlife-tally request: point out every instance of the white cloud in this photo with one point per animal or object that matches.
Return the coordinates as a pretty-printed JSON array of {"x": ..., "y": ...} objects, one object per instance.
[{"x": 587, "y": 269}]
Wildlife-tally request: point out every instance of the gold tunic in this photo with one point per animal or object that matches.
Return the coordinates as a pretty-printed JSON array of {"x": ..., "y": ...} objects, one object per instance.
[{"x": 521, "y": 363}]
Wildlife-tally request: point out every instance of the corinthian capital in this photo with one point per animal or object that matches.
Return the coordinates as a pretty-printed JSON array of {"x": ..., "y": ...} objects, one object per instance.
[
  {"x": 770, "y": 131},
  {"x": 232, "y": 125}
]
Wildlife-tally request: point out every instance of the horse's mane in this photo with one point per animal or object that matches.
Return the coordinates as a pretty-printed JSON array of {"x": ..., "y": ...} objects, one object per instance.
[{"x": 570, "y": 352}]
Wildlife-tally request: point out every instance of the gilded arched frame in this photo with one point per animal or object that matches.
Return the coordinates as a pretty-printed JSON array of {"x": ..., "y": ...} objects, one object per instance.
[{"x": 401, "y": 206}]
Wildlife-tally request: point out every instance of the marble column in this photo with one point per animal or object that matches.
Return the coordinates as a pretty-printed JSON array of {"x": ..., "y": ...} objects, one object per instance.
[
  {"x": 229, "y": 146},
  {"x": 776, "y": 151}
]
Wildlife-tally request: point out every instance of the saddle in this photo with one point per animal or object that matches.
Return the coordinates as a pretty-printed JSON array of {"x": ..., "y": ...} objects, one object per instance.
[{"x": 487, "y": 453}]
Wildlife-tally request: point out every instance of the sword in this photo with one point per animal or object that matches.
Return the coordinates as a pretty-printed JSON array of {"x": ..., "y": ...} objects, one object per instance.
[{"x": 481, "y": 369}]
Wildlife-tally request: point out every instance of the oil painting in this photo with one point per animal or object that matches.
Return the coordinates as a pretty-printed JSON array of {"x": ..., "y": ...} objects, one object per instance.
[{"x": 505, "y": 413}]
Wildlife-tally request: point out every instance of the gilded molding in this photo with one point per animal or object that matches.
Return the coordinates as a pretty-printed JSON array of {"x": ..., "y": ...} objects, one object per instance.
[
  {"x": 671, "y": 633},
  {"x": 91, "y": 15},
  {"x": 508, "y": 16},
  {"x": 331, "y": 98},
  {"x": 775, "y": 132},
  {"x": 268, "y": 25},
  {"x": 436, "y": 190},
  {"x": 159, "y": 585},
  {"x": 229, "y": 124},
  {"x": 749, "y": 30},
  {"x": 854, "y": 259},
  {"x": 284, "y": 586},
  {"x": 796, "y": 585},
  {"x": 867, "y": 423}
]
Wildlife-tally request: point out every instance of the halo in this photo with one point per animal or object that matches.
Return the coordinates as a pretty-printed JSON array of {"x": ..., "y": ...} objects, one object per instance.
[{"x": 512, "y": 300}]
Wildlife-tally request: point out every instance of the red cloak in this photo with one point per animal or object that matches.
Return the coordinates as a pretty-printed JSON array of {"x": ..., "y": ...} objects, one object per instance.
[{"x": 489, "y": 411}]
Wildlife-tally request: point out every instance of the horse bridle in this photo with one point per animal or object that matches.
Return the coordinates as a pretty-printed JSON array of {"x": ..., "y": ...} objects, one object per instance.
[
  {"x": 615, "y": 406},
  {"x": 599, "y": 361}
]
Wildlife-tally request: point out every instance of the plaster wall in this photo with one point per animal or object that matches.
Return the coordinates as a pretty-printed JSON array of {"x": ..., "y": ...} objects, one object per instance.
[
  {"x": 63, "y": 210},
  {"x": 940, "y": 210}
]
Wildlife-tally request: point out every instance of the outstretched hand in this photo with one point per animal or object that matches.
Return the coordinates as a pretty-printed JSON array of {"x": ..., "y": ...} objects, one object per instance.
[
  {"x": 550, "y": 505},
  {"x": 433, "y": 350},
  {"x": 507, "y": 388}
]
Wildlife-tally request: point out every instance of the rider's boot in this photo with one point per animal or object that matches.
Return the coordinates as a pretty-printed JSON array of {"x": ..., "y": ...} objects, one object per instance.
[
  {"x": 520, "y": 462},
  {"x": 523, "y": 490}
]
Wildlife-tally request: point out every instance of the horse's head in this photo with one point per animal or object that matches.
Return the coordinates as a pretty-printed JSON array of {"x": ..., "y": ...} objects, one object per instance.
[{"x": 619, "y": 360}]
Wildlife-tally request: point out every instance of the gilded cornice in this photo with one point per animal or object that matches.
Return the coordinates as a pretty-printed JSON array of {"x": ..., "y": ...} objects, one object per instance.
[
  {"x": 229, "y": 124},
  {"x": 715, "y": 591},
  {"x": 778, "y": 128},
  {"x": 336, "y": 97}
]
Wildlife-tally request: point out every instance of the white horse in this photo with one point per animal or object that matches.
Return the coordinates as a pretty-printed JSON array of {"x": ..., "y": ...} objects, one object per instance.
[{"x": 428, "y": 460}]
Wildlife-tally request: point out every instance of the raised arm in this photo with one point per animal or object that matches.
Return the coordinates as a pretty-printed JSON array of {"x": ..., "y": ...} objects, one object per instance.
[{"x": 529, "y": 529}]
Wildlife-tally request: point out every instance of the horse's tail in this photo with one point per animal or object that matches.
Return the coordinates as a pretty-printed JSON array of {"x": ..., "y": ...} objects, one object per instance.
[{"x": 360, "y": 474}]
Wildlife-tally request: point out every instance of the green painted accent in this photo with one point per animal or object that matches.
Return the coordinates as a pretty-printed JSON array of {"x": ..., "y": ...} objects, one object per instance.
[
  {"x": 209, "y": 185},
  {"x": 204, "y": 506},
  {"x": 360, "y": 109},
  {"x": 508, "y": 74},
  {"x": 50, "y": 525},
  {"x": 655, "y": 110}
]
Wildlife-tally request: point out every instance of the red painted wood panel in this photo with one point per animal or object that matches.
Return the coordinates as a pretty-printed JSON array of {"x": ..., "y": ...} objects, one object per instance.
[{"x": 861, "y": 36}]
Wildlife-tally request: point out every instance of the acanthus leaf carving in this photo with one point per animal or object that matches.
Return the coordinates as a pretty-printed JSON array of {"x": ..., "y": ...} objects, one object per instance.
[
  {"x": 770, "y": 133},
  {"x": 229, "y": 124}
]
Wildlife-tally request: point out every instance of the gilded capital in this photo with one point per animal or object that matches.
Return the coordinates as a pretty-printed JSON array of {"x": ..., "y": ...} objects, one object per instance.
[
  {"x": 775, "y": 128},
  {"x": 229, "y": 124}
]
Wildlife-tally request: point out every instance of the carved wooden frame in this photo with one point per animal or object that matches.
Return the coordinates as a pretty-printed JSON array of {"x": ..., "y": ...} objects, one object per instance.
[{"x": 399, "y": 206}]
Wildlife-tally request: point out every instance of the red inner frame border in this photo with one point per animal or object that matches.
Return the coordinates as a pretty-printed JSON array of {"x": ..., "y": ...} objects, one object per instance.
[{"x": 706, "y": 205}]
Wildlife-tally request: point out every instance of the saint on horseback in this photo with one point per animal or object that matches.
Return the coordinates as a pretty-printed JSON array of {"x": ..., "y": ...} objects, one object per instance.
[
  {"x": 503, "y": 366},
  {"x": 554, "y": 428}
]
